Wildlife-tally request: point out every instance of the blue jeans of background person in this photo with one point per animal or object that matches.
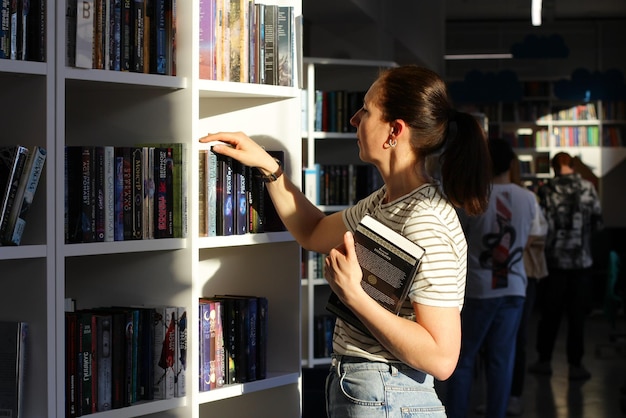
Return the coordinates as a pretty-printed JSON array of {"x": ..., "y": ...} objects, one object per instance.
[
  {"x": 569, "y": 292},
  {"x": 494, "y": 323},
  {"x": 356, "y": 387}
]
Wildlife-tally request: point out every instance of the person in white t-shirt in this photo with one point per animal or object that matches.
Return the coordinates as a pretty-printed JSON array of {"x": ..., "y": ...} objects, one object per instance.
[
  {"x": 496, "y": 288},
  {"x": 409, "y": 130}
]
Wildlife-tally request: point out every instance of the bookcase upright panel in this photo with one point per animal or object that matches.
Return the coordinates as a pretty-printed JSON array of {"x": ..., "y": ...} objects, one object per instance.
[{"x": 27, "y": 271}]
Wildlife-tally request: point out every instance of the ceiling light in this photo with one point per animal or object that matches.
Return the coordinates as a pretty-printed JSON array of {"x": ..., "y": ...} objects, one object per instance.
[
  {"x": 535, "y": 12},
  {"x": 477, "y": 56}
]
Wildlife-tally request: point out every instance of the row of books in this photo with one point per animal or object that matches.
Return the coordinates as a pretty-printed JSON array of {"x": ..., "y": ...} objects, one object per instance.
[
  {"x": 233, "y": 340},
  {"x": 585, "y": 111},
  {"x": 125, "y": 193},
  {"x": 23, "y": 30},
  {"x": 20, "y": 170},
  {"x": 232, "y": 198},
  {"x": 13, "y": 342},
  {"x": 122, "y": 35},
  {"x": 340, "y": 184},
  {"x": 246, "y": 41},
  {"x": 333, "y": 109},
  {"x": 119, "y": 356}
]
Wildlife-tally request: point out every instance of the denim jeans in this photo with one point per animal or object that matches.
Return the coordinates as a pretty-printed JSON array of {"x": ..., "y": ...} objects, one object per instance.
[
  {"x": 494, "y": 323},
  {"x": 357, "y": 387}
]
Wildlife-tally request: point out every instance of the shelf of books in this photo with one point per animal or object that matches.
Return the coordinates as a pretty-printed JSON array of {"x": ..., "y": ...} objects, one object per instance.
[
  {"x": 103, "y": 262},
  {"x": 333, "y": 176},
  {"x": 541, "y": 124}
]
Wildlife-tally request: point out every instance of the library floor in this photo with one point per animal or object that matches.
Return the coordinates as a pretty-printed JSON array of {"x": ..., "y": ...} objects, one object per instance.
[{"x": 602, "y": 396}]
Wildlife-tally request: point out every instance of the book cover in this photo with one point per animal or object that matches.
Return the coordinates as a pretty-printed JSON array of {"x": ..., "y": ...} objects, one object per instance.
[
  {"x": 269, "y": 45},
  {"x": 118, "y": 197},
  {"x": 12, "y": 162},
  {"x": 12, "y": 363},
  {"x": 84, "y": 34},
  {"x": 211, "y": 194},
  {"x": 206, "y": 35},
  {"x": 256, "y": 202},
  {"x": 262, "y": 336},
  {"x": 148, "y": 193},
  {"x": 239, "y": 40},
  {"x": 164, "y": 352},
  {"x": 126, "y": 35},
  {"x": 164, "y": 193},
  {"x": 240, "y": 193},
  {"x": 202, "y": 195},
  {"x": 180, "y": 199},
  {"x": 389, "y": 262},
  {"x": 104, "y": 363},
  {"x": 115, "y": 35},
  {"x": 180, "y": 364},
  {"x": 312, "y": 183},
  {"x": 109, "y": 193},
  {"x": 98, "y": 198},
  {"x": 71, "y": 364},
  {"x": 225, "y": 196},
  {"x": 284, "y": 45},
  {"x": 137, "y": 174},
  {"x": 5, "y": 29},
  {"x": 207, "y": 345},
  {"x": 86, "y": 350},
  {"x": 158, "y": 38},
  {"x": 146, "y": 341},
  {"x": 137, "y": 51}
]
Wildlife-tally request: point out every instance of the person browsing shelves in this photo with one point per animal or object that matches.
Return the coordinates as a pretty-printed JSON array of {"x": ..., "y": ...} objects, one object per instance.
[{"x": 433, "y": 160}]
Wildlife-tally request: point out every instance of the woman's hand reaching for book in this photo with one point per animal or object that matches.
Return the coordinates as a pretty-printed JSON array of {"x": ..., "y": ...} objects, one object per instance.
[{"x": 243, "y": 149}]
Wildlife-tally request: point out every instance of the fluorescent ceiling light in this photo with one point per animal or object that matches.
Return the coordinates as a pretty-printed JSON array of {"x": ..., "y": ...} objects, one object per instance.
[
  {"x": 535, "y": 12},
  {"x": 477, "y": 56},
  {"x": 525, "y": 131}
]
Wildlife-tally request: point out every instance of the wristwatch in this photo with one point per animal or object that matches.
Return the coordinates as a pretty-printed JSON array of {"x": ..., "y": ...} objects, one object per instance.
[{"x": 275, "y": 175}]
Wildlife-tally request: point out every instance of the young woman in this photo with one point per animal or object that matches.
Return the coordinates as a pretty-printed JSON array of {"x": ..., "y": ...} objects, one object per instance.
[{"x": 432, "y": 159}]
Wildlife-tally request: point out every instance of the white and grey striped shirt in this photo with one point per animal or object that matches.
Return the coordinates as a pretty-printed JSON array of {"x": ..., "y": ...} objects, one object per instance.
[{"x": 427, "y": 218}]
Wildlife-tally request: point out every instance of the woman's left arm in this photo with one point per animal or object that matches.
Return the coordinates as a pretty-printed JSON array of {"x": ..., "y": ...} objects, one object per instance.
[{"x": 431, "y": 343}]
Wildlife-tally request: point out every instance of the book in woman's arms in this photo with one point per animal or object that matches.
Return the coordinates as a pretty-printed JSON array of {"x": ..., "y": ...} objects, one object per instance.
[{"x": 389, "y": 262}]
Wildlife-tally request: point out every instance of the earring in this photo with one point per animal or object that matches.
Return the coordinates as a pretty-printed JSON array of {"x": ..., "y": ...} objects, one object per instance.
[{"x": 392, "y": 142}]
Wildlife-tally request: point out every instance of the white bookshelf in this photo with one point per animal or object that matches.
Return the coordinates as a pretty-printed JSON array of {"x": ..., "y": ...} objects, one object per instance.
[
  {"x": 54, "y": 106},
  {"x": 321, "y": 147}
]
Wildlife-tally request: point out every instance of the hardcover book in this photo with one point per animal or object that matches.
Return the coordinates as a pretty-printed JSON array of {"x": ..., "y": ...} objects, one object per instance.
[
  {"x": 389, "y": 262},
  {"x": 180, "y": 363},
  {"x": 85, "y": 34},
  {"x": 164, "y": 352},
  {"x": 12, "y": 352},
  {"x": 12, "y": 162}
]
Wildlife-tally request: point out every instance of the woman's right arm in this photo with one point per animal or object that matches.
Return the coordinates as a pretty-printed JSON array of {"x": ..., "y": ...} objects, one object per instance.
[{"x": 310, "y": 226}]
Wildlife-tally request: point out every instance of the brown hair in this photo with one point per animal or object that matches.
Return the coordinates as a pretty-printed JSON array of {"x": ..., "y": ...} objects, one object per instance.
[
  {"x": 561, "y": 159},
  {"x": 419, "y": 97}
]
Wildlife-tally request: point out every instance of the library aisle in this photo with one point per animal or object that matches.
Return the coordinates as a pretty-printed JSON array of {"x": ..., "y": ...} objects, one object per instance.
[{"x": 602, "y": 396}]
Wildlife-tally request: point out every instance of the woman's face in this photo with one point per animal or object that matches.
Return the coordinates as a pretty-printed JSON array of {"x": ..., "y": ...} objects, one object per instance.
[{"x": 372, "y": 131}]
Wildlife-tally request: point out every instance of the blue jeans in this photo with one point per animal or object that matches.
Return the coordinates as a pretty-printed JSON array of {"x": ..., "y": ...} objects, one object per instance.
[
  {"x": 356, "y": 387},
  {"x": 494, "y": 323}
]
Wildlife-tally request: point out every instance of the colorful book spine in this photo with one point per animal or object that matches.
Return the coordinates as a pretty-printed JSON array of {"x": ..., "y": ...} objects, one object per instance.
[
  {"x": 84, "y": 34},
  {"x": 180, "y": 368}
]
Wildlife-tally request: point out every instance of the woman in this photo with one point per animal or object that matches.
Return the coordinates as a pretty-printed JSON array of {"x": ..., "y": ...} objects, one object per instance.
[{"x": 405, "y": 128}]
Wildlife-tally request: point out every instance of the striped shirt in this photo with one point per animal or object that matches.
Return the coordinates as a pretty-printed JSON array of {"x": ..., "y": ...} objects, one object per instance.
[{"x": 427, "y": 218}]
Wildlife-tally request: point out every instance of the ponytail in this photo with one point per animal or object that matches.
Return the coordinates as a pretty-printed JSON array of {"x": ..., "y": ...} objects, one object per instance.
[{"x": 465, "y": 164}]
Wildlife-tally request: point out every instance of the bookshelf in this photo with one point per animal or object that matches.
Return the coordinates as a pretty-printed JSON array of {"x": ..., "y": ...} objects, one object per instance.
[
  {"x": 330, "y": 144},
  {"x": 53, "y": 106},
  {"x": 542, "y": 124}
]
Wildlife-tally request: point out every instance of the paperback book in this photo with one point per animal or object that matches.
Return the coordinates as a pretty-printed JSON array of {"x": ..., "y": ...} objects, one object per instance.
[{"x": 389, "y": 262}]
